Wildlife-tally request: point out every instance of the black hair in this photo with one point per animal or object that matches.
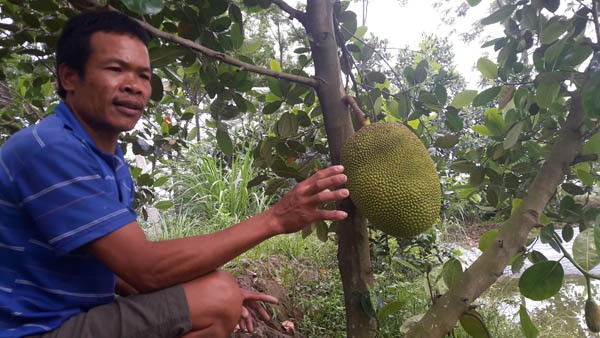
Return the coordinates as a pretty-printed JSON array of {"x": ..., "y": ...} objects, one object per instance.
[{"x": 73, "y": 47}]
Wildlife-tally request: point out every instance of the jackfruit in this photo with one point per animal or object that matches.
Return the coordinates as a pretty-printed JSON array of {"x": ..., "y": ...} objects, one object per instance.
[
  {"x": 392, "y": 179},
  {"x": 592, "y": 315}
]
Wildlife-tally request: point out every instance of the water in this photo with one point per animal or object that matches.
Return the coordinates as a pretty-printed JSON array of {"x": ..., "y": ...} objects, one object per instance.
[{"x": 561, "y": 316}]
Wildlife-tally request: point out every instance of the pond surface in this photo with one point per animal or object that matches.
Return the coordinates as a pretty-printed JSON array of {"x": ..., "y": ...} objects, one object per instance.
[{"x": 561, "y": 316}]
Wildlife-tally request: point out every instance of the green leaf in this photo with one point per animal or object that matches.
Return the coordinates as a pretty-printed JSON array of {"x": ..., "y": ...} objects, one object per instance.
[
  {"x": 224, "y": 141},
  {"x": 500, "y": 15},
  {"x": 143, "y": 7},
  {"x": 463, "y": 166},
  {"x": 447, "y": 141},
  {"x": 592, "y": 146},
  {"x": 221, "y": 24},
  {"x": 472, "y": 322},
  {"x": 584, "y": 250},
  {"x": 463, "y": 98},
  {"x": 453, "y": 121},
  {"x": 164, "y": 56},
  {"x": 512, "y": 136},
  {"x": 389, "y": 309},
  {"x": 473, "y": 3},
  {"x": 542, "y": 280},
  {"x": 487, "y": 68},
  {"x": 367, "y": 304},
  {"x": 287, "y": 125},
  {"x": 451, "y": 271},
  {"x": 494, "y": 122},
  {"x": 481, "y": 130},
  {"x": 551, "y": 5},
  {"x": 160, "y": 181},
  {"x": 486, "y": 96},
  {"x": 527, "y": 326},
  {"x": 322, "y": 230},
  {"x": 590, "y": 97},
  {"x": 274, "y": 65},
  {"x": 516, "y": 203},
  {"x": 441, "y": 94},
  {"x": 375, "y": 77},
  {"x": 567, "y": 233},
  {"x": 157, "y": 88},
  {"x": 487, "y": 239},
  {"x": 421, "y": 71},
  {"x": 548, "y": 88},
  {"x": 572, "y": 188},
  {"x": 163, "y": 205},
  {"x": 272, "y": 107},
  {"x": 554, "y": 28},
  {"x": 274, "y": 84}
]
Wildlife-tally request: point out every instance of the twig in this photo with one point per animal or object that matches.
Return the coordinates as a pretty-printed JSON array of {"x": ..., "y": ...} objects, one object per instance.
[
  {"x": 294, "y": 13},
  {"x": 207, "y": 51},
  {"x": 396, "y": 75},
  {"x": 360, "y": 115},
  {"x": 585, "y": 158}
]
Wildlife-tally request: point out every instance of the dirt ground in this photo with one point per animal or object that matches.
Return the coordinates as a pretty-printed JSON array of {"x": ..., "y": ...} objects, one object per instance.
[{"x": 284, "y": 318}]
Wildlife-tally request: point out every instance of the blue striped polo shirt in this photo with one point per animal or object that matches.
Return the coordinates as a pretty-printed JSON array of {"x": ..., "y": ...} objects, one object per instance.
[{"x": 58, "y": 191}]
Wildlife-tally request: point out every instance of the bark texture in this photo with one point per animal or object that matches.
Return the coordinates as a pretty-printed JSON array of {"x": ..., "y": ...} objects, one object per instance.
[{"x": 353, "y": 250}]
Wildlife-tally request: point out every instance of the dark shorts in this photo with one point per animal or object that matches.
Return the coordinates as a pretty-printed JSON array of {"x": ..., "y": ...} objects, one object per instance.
[{"x": 160, "y": 314}]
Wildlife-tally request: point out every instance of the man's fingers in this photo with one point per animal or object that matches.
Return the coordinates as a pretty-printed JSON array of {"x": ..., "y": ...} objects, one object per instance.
[
  {"x": 260, "y": 310},
  {"x": 331, "y": 196},
  {"x": 246, "y": 320},
  {"x": 251, "y": 295},
  {"x": 322, "y": 178},
  {"x": 328, "y": 182},
  {"x": 332, "y": 215}
]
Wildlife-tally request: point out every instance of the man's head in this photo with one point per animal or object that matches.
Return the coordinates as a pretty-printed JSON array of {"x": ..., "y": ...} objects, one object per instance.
[
  {"x": 104, "y": 72},
  {"x": 73, "y": 47}
]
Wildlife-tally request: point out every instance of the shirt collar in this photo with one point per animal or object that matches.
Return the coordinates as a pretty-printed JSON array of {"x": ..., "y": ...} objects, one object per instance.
[{"x": 63, "y": 112}]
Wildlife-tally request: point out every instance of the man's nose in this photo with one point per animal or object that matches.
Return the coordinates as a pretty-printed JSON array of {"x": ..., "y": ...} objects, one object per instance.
[{"x": 132, "y": 84}]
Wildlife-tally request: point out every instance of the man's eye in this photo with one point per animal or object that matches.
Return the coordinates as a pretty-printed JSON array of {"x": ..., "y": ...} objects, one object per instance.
[
  {"x": 114, "y": 69},
  {"x": 145, "y": 77}
]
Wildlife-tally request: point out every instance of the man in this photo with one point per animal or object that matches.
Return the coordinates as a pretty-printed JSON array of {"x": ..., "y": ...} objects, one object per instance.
[{"x": 69, "y": 239}]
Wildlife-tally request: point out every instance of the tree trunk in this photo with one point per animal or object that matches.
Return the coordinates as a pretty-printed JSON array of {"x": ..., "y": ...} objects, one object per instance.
[{"x": 353, "y": 251}]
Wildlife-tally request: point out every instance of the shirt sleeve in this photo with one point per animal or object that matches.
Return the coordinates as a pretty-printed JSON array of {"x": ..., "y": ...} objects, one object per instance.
[{"x": 71, "y": 198}]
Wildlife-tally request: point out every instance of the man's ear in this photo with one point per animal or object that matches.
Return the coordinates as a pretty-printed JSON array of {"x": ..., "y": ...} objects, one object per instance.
[{"x": 68, "y": 77}]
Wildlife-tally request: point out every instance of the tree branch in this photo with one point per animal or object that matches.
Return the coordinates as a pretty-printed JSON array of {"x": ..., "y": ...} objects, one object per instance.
[
  {"x": 596, "y": 21},
  {"x": 294, "y": 13},
  {"x": 94, "y": 4},
  {"x": 444, "y": 313}
]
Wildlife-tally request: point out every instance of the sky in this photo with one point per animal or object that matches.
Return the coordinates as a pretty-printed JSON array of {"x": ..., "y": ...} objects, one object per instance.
[{"x": 403, "y": 23}]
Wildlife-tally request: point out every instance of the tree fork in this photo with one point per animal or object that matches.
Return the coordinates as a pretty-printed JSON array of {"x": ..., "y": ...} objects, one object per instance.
[{"x": 353, "y": 247}]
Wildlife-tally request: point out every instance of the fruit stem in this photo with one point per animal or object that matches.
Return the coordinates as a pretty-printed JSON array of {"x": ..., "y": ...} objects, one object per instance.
[
  {"x": 360, "y": 115},
  {"x": 588, "y": 284}
]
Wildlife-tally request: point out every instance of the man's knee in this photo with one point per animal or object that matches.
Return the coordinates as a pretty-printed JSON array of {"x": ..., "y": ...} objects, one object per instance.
[{"x": 215, "y": 302}]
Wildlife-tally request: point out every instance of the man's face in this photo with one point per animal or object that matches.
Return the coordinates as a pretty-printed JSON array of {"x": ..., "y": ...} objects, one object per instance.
[{"x": 113, "y": 93}]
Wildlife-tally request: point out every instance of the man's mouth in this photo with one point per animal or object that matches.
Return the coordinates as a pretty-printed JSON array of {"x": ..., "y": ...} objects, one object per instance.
[{"x": 129, "y": 106}]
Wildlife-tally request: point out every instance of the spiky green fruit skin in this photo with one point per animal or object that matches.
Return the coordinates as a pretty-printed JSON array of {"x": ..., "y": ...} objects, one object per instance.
[
  {"x": 392, "y": 179},
  {"x": 592, "y": 315}
]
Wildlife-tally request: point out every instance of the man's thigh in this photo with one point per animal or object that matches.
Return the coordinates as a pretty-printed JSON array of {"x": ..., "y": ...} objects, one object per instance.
[{"x": 161, "y": 314}]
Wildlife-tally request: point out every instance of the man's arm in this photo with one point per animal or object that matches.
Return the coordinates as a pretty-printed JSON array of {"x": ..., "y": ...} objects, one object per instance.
[{"x": 150, "y": 265}]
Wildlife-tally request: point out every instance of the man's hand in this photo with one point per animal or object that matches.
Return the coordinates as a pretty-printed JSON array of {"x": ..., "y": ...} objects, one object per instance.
[
  {"x": 300, "y": 206},
  {"x": 252, "y": 302}
]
